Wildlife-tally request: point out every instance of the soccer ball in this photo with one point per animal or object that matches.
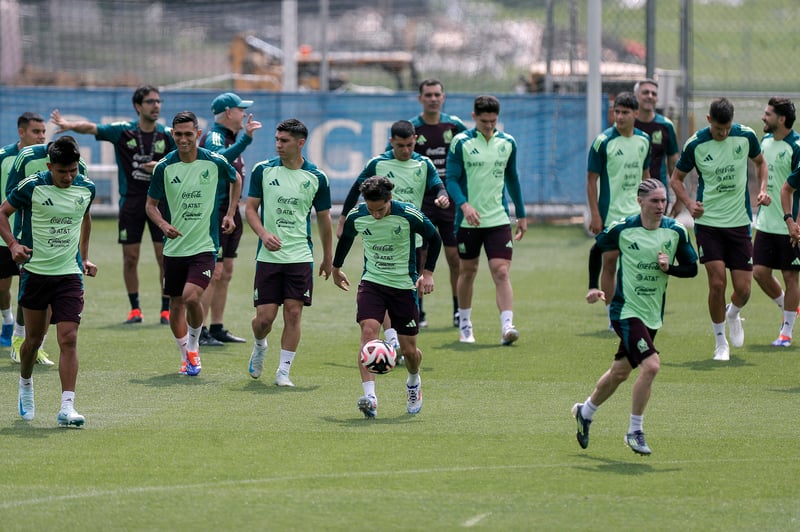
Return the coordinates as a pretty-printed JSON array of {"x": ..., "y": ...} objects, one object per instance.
[{"x": 378, "y": 357}]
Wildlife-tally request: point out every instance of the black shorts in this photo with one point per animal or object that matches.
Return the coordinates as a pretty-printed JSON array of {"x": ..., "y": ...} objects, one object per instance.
[
  {"x": 443, "y": 219},
  {"x": 495, "y": 240},
  {"x": 229, "y": 244},
  {"x": 632, "y": 332},
  {"x": 62, "y": 293},
  {"x": 132, "y": 219},
  {"x": 8, "y": 267},
  {"x": 275, "y": 283},
  {"x": 775, "y": 251},
  {"x": 195, "y": 269},
  {"x": 375, "y": 300},
  {"x": 732, "y": 245}
]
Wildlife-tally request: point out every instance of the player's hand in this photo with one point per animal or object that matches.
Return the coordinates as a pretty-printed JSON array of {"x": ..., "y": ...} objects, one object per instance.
[
  {"x": 325, "y": 268},
  {"x": 271, "y": 242},
  {"x": 763, "y": 199},
  {"x": 696, "y": 209},
  {"x": 170, "y": 231},
  {"x": 442, "y": 201},
  {"x": 340, "y": 279},
  {"x": 55, "y": 117},
  {"x": 522, "y": 227},
  {"x": 596, "y": 225},
  {"x": 471, "y": 215},
  {"x": 19, "y": 252},
  {"x": 89, "y": 268},
  {"x": 228, "y": 224},
  {"x": 594, "y": 295},
  {"x": 425, "y": 282},
  {"x": 251, "y": 125},
  {"x": 663, "y": 261}
]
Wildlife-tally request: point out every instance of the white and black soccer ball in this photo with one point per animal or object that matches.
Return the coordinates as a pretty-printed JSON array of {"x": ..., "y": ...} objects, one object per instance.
[{"x": 379, "y": 357}]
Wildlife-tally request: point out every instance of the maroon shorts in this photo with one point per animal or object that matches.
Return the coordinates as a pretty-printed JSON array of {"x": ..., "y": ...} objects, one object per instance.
[
  {"x": 775, "y": 251},
  {"x": 229, "y": 244},
  {"x": 275, "y": 283},
  {"x": 132, "y": 219},
  {"x": 632, "y": 332},
  {"x": 195, "y": 269},
  {"x": 62, "y": 293},
  {"x": 8, "y": 267},
  {"x": 495, "y": 240},
  {"x": 732, "y": 245},
  {"x": 443, "y": 219},
  {"x": 375, "y": 300}
]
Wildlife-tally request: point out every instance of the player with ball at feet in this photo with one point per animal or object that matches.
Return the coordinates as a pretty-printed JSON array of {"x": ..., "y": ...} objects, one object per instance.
[{"x": 389, "y": 283}]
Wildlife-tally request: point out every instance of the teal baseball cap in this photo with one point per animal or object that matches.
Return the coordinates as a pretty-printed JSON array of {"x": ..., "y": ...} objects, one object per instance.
[{"x": 228, "y": 100}]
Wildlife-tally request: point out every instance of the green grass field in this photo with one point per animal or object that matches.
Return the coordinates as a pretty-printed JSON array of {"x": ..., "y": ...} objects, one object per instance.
[{"x": 493, "y": 448}]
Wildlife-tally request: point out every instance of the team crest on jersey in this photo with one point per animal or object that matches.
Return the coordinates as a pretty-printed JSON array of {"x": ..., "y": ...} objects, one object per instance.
[
  {"x": 398, "y": 230},
  {"x": 307, "y": 184},
  {"x": 447, "y": 137},
  {"x": 131, "y": 144},
  {"x": 205, "y": 177},
  {"x": 503, "y": 148},
  {"x": 418, "y": 173},
  {"x": 161, "y": 146},
  {"x": 80, "y": 202},
  {"x": 641, "y": 345},
  {"x": 658, "y": 137},
  {"x": 421, "y": 140},
  {"x": 667, "y": 245},
  {"x": 738, "y": 152}
]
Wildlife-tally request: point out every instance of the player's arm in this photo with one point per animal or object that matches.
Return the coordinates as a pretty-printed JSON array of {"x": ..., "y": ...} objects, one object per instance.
[
  {"x": 151, "y": 209},
  {"x": 19, "y": 252},
  {"x": 234, "y": 191},
  {"x": 352, "y": 196},
  {"x": 435, "y": 186},
  {"x": 425, "y": 282},
  {"x": 89, "y": 268},
  {"x": 787, "y": 202},
  {"x": 270, "y": 241},
  {"x": 325, "y": 227},
  {"x": 762, "y": 174},
  {"x": 595, "y": 220},
  {"x": 676, "y": 184},
  {"x": 78, "y": 126},
  {"x": 342, "y": 249},
  {"x": 511, "y": 179}
]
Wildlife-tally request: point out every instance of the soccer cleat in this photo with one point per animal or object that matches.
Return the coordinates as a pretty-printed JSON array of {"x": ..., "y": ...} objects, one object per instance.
[
  {"x": 465, "y": 334},
  {"x": 423, "y": 320},
  {"x": 68, "y": 417},
  {"x": 782, "y": 341},
  {"x": 722, "y": 352},
  {"x": 16, "y": 345},
  {"x": 26, "y": 405},
  {"x": 414, "y": 401},
  {"x": 456, "y": 319},
  {"x": 207, "y": 340},
  {"x": 282, "y": 379},
  {"x": 43, "y": 358},
  {"x": 182, "y": 371},
  {"x": 256, "y": 362},
  {"x": 5, "y": 334},
  {"x": 510, "y": 335},
  {"x": 583, "y": 426},
  {"x": 368, "y": 404},
  {"x": 735, "y": 330},
  {"x": 635, "y": 440},
  {"x": 134, "y": 316},
  {"x": 164, "y": 317},
  {"x": 193, "y": 363},
  {"x": 225, "y": 336}
]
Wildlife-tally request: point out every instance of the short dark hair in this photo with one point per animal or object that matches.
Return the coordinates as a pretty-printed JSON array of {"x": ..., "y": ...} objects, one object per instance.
[
  {"x": 294, "y": 127},
  {"x": 429, "y": 82},
  {"x": 486, "y": 104},
  {"x": 28, "y": 117},
  {"x": 647, "y": 186},
  {"x": 64, "y": 150},
  {"x": 721, "y": 111},
  {"x": 377, "y": 188},
  {"x": 785, "y": 108},
  {"x": 184, "y": 117},
  {"x": 141, "y": 92},
  {"x": 403, "y": 129},
  {"x": 627, "y": 100}
]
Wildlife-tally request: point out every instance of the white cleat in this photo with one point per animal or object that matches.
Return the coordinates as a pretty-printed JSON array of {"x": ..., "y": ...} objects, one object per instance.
[
  {"x": 282, "y": 379},
  {"x": 26, "y": 405},
  {"x": 735, "y": 330},
  {"x": 68, "y": 417},
  {"x": 510, "y": 335},
  {"x": 414, "y": 398},
  {"x": 722, "y": 352},
  {"x": 465, "y": 334},
  {"x": 256, "y": 362}
]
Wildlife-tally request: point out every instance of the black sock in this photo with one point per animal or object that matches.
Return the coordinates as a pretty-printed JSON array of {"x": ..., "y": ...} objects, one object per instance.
[
  {"x": 134, "y": 299},
  {"x": 215, "y": 327},
  {"x": 164, "y": 303},
  {"x": 455, "y": 305}
]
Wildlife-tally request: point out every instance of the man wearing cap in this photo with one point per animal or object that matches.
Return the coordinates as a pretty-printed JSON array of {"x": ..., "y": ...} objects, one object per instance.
[{"x": 229, "y": 119}]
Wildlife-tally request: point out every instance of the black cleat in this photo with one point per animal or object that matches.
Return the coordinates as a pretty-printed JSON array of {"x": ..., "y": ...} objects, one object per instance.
[{"x": 583, "y": 426}]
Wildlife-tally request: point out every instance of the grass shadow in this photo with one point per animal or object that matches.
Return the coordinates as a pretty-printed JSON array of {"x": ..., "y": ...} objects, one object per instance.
[
  {"x": 786, "y": 390},
  {"x": 364, "y": 422},
  {"x": 171, "y": 379},
  {"x": 621, "y": 467},
  {"x": 710, "y": 364},
  {"x": 268, "y": 387},
  {"x": 23, "y": 429}
]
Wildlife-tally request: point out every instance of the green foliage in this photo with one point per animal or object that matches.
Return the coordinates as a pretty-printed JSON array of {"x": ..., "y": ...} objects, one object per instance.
[{"x": 494, "y": 446}]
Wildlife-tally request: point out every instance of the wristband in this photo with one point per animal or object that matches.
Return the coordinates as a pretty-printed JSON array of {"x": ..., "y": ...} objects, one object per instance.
[{"x": 787, "y": 216}]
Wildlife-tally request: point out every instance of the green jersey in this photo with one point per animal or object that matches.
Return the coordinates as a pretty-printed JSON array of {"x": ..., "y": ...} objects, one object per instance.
[
  {"x": 286, "y": 199},
  {"x": 192, "y": 192},
  {"x": 721, "y": 174},
  {"x": 782, "y": 158},
  {"x": 641, "y": 285},
  {"x": 620, "y": 162},
  {"x": 51, "y": 222},
  {"x": 480, "y": 171},
  {"x": 7, "y": 156}
]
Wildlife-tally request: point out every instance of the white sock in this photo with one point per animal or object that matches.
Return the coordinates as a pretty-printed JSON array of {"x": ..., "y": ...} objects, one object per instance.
[
  {"x": 465, "y": 316},
  {"x": 44, "y": 339},
  {"x": 19, "y": 330},
  {"x": 413, "y": 379},
  {"x": 369, "y": 388},
  {"x": 286, "y": 361},
  {"x": 506, "y": 319},
  {"x": 779, "y": 300},
  {"x": 182, "y": 346},
  {"x": 26, "y": 382},
  {"x": 8, "y": 316},
  {"x": 732, "y": 311},
  {"x": 260, "y": 343},
  {"x": 193, "y": 344},
  {"x": 588, "y": 410},
  {"x": 788, "y": 322},
  {"x": 636, "y": 423},
  {"x": 719, "y": 333},
  {"x": 67, "y": 398},
  {"x": 391, "y": 336}
]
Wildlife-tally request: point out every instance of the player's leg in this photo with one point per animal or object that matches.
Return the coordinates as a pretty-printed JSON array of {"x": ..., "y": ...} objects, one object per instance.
[
  {"x": 500, "y": 255},
  {"x": 290, "y": 340},
  {"x": 608, "y": 276},
  {"x": 403, "y": 309},
  {"x": 132, "y": 220},
  {"x": 470, "y": 243},
  {"x": 157, "y": 236},
  {"x": 262, "y": 326},
  {"x": 6, "y": 312},
  {"x": 209, "y": 295},
  {"x": 738, "y": 259},
  {"x": 451, "y": 255},
  {"x": 67, "y": 307},
  {"x": 229, "y": 247},
  {"x": 371, "y": 307}
]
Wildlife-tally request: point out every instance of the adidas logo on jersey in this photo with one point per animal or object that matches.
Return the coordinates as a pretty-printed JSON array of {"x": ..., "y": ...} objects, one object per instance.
[
  {"x": 48, "y": 202},
  {"x": 307, "y": 293},
  {"x": 619, "y": 153},
  {"x": 175, "y": 180},
  {"x": 634, "y": 246},
  {"x": 390, "y": 175},
  {"x": 411, "y": 323},
  {"x": 796, "y": 262},
  {"x": 708, "y": 158},
  {"x": 509, "y": 244},
  {"x": 274, "y": 183},
  {"x": 366, "y": 232},
  {"x": 474, "y": 151}
]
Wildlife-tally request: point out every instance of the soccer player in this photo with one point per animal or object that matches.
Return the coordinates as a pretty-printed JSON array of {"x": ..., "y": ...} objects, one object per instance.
[
  {"x": 722, "y": 213},
  {"x": 435, "y": 131},
  {"x": 413, "y": 175},
  {"x": 230, "y": 117},
  {"x": 31, "y": 130},
  {"x": 191, "y": 181},
  {"x": 390, "y": 281},
  {"x": 664, "y": 148},
  {"x": 619, "y": 159},
  {"x": 290, "y": 185},
  {"x": 648, "y": 245},
  {"x": 481, "y": 168},
  {"x": 54, "y": 250},
  {"x": 138, "y": 146},
  {"x": 772, "y": 246}
]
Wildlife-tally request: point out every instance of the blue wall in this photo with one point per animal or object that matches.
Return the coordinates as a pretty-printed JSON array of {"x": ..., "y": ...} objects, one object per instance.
[{"x": 346, "y": 130}]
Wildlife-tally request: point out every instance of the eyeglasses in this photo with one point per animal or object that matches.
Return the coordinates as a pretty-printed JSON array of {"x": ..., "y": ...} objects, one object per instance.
[{"x": 151, "y": 101}]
